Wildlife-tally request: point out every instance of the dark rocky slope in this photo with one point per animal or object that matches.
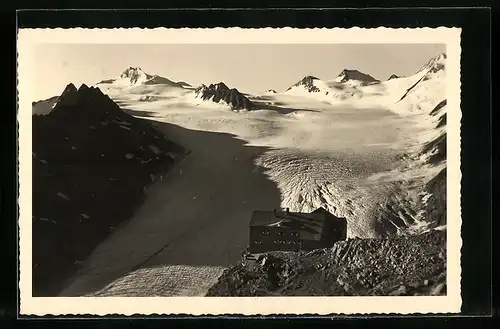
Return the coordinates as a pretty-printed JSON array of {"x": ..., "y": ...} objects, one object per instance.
[
  {"x": 346, "y": 75},
  {"x": 91, "y": 164},
  {"x": 405, "y": 265},
  {"x": 220, "y": 92},
  {"x": 435, "y": 207}
]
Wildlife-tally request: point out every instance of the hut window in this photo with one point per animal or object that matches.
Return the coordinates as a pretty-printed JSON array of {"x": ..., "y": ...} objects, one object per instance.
[
  {"x": 257, "y": 242},
  {"x": 281, "y": 233},
  {"x": 294, "y": 233},
  {"x": 265, "y": 232}
]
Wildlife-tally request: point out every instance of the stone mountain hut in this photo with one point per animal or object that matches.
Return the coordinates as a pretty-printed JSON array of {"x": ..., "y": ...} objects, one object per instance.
[{"x": 293, "y": 231}]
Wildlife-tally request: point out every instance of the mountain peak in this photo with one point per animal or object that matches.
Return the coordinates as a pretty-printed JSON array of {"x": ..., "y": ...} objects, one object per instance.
[
  {"x": 349, "y": 74},
  {"x": 90, "y": 98},
  {"x": 308, "y": 83},
  {"x": 130, "y": 70},
  {"x": 218, "y": 85},
  {"x": 69, "y": 88},
  {"x": 220, "y": 92},
  {"x": 435, "y": 64},
  {"x": 83, "y": 87},
  {"x": 68, "y": 96},
  {"x": 135, "y": 75}
]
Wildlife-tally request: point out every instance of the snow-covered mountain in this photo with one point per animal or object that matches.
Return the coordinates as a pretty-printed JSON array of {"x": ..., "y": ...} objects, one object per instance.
[
  {"x": 435, "y": 64},
  {"x": 136, "y": 76},
  {"x": 220, "y": 93},
  {"x": 424, "y": 90}
]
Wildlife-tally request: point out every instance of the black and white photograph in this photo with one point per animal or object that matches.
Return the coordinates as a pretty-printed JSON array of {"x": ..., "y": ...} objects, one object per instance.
[{"x": 265, "y": 165}]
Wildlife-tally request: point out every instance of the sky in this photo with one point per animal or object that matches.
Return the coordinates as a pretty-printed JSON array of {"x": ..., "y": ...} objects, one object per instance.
[{"x": 251, "y": 68}]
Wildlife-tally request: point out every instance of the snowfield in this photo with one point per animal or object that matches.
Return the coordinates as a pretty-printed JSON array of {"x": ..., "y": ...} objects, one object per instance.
[{"x": 349, "y": 147}]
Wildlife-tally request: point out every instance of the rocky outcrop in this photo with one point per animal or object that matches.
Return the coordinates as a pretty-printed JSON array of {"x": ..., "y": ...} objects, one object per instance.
[
  {"x": 435, "y": 206},
  {"x": 438, "y": 107},
  {"x": 308, "y": 84},
  {"x": 435, "y": 150},
  {"x": 91, "y": 163},
  {"x": 405, "y": 265},
  {"x": 219, "y": 92},
  {"x": 435, "y": 64}
]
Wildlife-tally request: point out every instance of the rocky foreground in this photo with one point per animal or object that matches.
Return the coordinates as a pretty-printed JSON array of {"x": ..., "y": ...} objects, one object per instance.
[{"x": 402, "y": 266}]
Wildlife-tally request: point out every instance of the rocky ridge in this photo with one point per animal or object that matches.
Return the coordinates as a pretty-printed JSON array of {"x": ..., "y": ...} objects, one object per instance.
[
  {"x": 92, "y": 163},
  {"x": 308, "y": 83},
  {"x": 219, "y": 92}
]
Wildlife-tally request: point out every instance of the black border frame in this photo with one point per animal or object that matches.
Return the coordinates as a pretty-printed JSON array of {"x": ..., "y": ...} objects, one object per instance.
[{"x": 475, "y": 104}]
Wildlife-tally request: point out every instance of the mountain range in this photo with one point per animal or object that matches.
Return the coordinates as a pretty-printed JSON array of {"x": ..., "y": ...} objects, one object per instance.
[{"x": 345, "y": 85}]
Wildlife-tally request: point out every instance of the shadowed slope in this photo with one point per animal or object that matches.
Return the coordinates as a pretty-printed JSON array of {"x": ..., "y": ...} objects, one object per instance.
[{"x": 91, "y": 162}]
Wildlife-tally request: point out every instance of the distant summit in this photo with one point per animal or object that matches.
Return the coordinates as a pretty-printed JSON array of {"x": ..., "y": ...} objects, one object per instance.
[
  {"x": 136, "y": 76},
  {"x": 394, "y": 76},
  {"x": 68, "y": 97},
  {"x": 220, "y": 92},
  {"x": 271, "y": 91},
  {"x": 183, "y": 84},
  {"x": 308, "y": 83},
  {"x": 347, "y": 75},
  {"x": 435, "y": 64}
]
